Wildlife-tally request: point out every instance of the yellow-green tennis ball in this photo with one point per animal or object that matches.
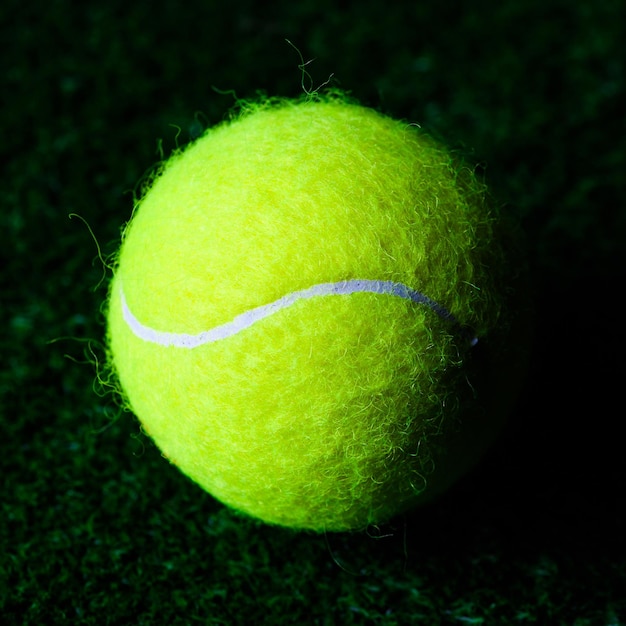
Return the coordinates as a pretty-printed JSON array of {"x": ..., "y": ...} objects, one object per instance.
[{"x": 295, "y": 308}]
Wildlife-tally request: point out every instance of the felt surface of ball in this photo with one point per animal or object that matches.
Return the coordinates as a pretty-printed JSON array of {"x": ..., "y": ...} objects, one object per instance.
[{"x": 294, "y": 312}]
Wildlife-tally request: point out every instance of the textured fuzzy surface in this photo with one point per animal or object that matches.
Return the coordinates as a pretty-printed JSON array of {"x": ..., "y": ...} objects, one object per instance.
[{"x": 332, "y": 413}]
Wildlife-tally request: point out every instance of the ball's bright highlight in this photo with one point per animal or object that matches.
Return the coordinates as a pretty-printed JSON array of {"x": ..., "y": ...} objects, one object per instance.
[{"x": 245, "y": 320}]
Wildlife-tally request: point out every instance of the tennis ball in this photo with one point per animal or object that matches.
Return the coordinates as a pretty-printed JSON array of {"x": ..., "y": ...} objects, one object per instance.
[{"x": 298, "y": 310}]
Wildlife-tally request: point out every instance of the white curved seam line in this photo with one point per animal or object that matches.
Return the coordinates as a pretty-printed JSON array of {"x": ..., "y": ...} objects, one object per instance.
[{"x": 252, "y": 316}]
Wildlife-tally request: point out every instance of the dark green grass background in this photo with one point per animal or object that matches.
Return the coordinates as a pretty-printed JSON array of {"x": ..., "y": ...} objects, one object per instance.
[{"x": 95, "y": 527}]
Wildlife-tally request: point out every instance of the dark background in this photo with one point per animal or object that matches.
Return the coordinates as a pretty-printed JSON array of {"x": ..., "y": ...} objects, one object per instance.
[{"x": 95, "y": 527}]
